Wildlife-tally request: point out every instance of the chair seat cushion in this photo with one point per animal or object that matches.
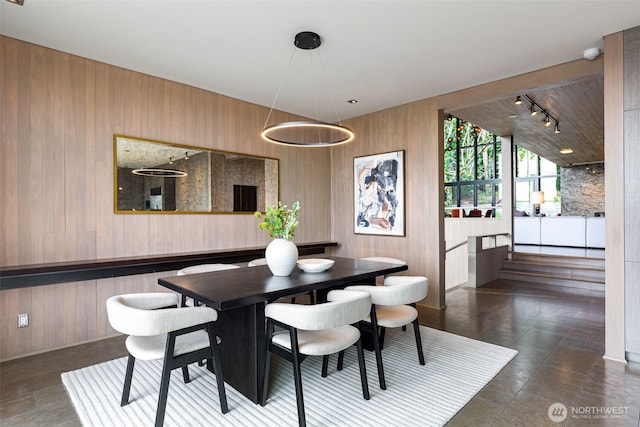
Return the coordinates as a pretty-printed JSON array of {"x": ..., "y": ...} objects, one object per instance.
[
  {"x": 394, "y": 316},
  {"x": 320, "y": 343},
  {"x": 153, "y": 347}
]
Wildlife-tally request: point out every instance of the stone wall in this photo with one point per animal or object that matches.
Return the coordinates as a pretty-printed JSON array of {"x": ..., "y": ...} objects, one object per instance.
[{"x": 582, "y": 189}]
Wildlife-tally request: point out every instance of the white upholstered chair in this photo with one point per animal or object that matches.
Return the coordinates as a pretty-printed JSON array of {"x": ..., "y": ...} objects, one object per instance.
[
  {"x": 263, "y": 261},
  {"x": 392, "y": 306},
  {"x": 256, "y": 262},
  {"x": 202, "y": 268},
  {"x": 315, "y": 330},
  {"x": 390, "y": 261},
  {"x": 179, "y": 336}
]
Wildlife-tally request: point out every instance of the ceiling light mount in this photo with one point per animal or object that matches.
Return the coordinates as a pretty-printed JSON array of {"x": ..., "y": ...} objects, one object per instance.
[
  {"x": 306, "y": 133},
  {"x": 307, "y": 40}
]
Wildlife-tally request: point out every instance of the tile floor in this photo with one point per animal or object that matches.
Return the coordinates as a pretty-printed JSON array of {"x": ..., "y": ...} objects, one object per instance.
[{"x": 559, "y": 337}]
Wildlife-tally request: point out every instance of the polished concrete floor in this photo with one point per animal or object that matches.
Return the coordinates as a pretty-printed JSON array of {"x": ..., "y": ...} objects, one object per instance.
[{"x": 559, "y": 337}]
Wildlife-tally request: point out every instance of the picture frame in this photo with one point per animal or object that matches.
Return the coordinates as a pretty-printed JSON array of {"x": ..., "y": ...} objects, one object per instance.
[{"x": 379, "y": 194}]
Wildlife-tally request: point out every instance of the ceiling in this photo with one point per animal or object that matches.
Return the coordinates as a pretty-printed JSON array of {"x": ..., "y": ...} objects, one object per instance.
[{"x": 381, "y": 53}]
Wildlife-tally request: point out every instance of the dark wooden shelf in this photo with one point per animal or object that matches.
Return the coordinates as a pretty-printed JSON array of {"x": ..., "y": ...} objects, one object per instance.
[{"x": 22, "y": 276}]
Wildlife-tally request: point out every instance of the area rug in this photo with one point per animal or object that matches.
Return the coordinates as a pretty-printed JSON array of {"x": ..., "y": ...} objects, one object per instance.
[{"x": 456, "y": 369}]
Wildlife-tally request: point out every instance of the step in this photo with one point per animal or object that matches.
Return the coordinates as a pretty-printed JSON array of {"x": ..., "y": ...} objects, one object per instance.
[
  {"x": 565, "y": 260},
  {"x": 556, "y": 269},
  {"x": 556, "y": 280}
]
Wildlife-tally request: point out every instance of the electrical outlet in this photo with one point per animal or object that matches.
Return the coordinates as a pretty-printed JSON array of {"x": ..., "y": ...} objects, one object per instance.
[{"x": 23, "y": 320}]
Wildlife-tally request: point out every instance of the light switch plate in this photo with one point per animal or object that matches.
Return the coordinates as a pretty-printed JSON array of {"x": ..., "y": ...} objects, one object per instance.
[{"x": 23, "y": 320}]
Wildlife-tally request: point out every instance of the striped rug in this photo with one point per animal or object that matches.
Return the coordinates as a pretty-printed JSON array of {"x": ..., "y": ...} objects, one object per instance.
[{"x": 456, "y": 369}]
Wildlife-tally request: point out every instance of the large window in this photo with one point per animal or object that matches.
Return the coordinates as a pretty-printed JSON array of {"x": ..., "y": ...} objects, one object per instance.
[
  {"x": 472, "y": 167},
  {"x": 535, "y": 173}
]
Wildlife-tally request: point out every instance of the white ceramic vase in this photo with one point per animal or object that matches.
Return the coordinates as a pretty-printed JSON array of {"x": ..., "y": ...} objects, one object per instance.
[{"x": 281, "y": 256}]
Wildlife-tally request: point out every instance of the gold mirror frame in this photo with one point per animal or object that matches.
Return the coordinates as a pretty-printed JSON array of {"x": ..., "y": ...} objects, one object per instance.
[{"x": 157, "y": 177}]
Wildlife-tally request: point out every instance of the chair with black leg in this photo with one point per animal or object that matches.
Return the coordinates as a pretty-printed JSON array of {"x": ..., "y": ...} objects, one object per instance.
[
  {"x": 263, "y": 261},
  {"x": 202, "y": 268},
  {"x": 315, "y": 330},
  {"x": 178, "y": 336},
  {"x": 393, "y": 305}
]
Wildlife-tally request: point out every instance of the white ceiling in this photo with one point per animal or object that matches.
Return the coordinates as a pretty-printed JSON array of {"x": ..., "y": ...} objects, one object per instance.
[{"x": 382, "y": 53}]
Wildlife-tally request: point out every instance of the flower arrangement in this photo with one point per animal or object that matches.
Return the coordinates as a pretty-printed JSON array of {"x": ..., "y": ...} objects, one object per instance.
[{"x": 280, "y": 221}]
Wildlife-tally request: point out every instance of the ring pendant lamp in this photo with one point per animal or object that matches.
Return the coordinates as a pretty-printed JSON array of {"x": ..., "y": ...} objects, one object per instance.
[{"x": 305, "y": 133}]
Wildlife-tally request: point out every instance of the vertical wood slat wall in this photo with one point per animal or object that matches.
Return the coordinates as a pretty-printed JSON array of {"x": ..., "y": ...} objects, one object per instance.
[
  {"x": 99, "y": 100},
  {"x": 59, "y": 114}
]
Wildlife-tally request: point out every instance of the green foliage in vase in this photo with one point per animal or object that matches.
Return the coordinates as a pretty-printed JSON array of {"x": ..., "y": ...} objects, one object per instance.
[{"x": 280, "y": 221}]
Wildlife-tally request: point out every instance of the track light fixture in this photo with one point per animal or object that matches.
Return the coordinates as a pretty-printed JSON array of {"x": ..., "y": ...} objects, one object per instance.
[{"x": 535, "y": 108}]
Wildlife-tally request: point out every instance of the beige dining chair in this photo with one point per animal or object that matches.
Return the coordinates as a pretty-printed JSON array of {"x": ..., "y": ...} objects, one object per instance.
[
  {"x": 201, "y": 268},
  {"x": 178, "y": 336},
  {"x": 388, "y": 260},
  {"x": 315, "y": 330},
  {"x": 263, "y": 261},
  {"x": 393, "y": 305}
]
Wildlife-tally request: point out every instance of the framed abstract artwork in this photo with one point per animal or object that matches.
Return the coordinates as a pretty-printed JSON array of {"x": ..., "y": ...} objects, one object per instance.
[{"x": 378, "y": 196}]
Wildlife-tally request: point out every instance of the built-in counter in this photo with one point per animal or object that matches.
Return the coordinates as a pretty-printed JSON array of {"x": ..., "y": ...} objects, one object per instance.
[
  {"x": 571, "y": 231},
  {"x": 21, "y": 276}
]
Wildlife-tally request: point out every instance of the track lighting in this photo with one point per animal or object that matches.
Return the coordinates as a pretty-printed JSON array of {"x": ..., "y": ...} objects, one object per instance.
[{"x": 535, "y": 108}]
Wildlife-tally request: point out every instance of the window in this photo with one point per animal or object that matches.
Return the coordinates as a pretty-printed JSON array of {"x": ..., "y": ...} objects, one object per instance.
[
  {"x": 472, "y": 166},
  {"x": 535, "y": 173}
]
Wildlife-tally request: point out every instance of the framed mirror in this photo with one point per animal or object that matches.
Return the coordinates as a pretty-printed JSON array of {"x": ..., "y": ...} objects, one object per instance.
[{"x": 162, "y": 177}]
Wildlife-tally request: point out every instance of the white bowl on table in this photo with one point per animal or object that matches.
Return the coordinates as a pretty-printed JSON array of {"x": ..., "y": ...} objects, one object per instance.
[{"x": 315, "y": 265}]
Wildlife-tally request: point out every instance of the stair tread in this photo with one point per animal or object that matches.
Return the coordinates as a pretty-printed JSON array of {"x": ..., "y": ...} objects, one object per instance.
[
  {"x": 554, "y": 276},
  {"x": 554, "y": 265}
]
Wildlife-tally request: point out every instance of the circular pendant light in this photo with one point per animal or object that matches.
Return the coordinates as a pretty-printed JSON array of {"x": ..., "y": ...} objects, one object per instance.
[{"x": 305, "y": 133}]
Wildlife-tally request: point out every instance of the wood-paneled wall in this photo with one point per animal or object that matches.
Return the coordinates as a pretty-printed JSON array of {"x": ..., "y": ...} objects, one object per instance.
[
  {"x": 59, "y": 114},
  {"x": 417, "y": 129},
  {"x": 614, "y": 197}
]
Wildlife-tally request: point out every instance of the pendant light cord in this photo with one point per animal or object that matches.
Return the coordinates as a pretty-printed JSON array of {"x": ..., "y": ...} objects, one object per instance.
[{"x": 275, "y": 99}]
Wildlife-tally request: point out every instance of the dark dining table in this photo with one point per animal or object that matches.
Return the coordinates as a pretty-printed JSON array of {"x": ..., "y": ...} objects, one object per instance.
[{"x": 239, "y": 295}]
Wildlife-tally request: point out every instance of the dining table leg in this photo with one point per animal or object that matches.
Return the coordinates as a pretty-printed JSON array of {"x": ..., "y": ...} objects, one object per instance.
[{"x": 242, "y": 341}]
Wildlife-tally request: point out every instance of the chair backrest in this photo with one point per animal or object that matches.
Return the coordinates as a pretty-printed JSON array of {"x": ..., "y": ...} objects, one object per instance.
[
  {"x": 203, "y": 268},
  {"x": 390, "y": 261},
  {"x": 386, "y": 259},
  {"x": 257, "y": 262},
  {"x": 343, "y": 308},
  {"x": 397, "y": 290},
  {"x": 138, "y": 314},
  {"x": 410, "y": 289}
]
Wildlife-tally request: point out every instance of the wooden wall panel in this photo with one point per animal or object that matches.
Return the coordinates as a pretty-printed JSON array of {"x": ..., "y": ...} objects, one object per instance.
[
  {"x": 77, "y": 115},
  {"x": 59, "y": 114},
  {"x": 413, "y": 128},
  {"x": 614, "y": 197},
  {"x": 68, "y": 109}
]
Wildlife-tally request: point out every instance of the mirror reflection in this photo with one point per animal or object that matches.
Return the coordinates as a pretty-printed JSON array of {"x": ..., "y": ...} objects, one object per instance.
[{"x": 154, "y": 176}]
